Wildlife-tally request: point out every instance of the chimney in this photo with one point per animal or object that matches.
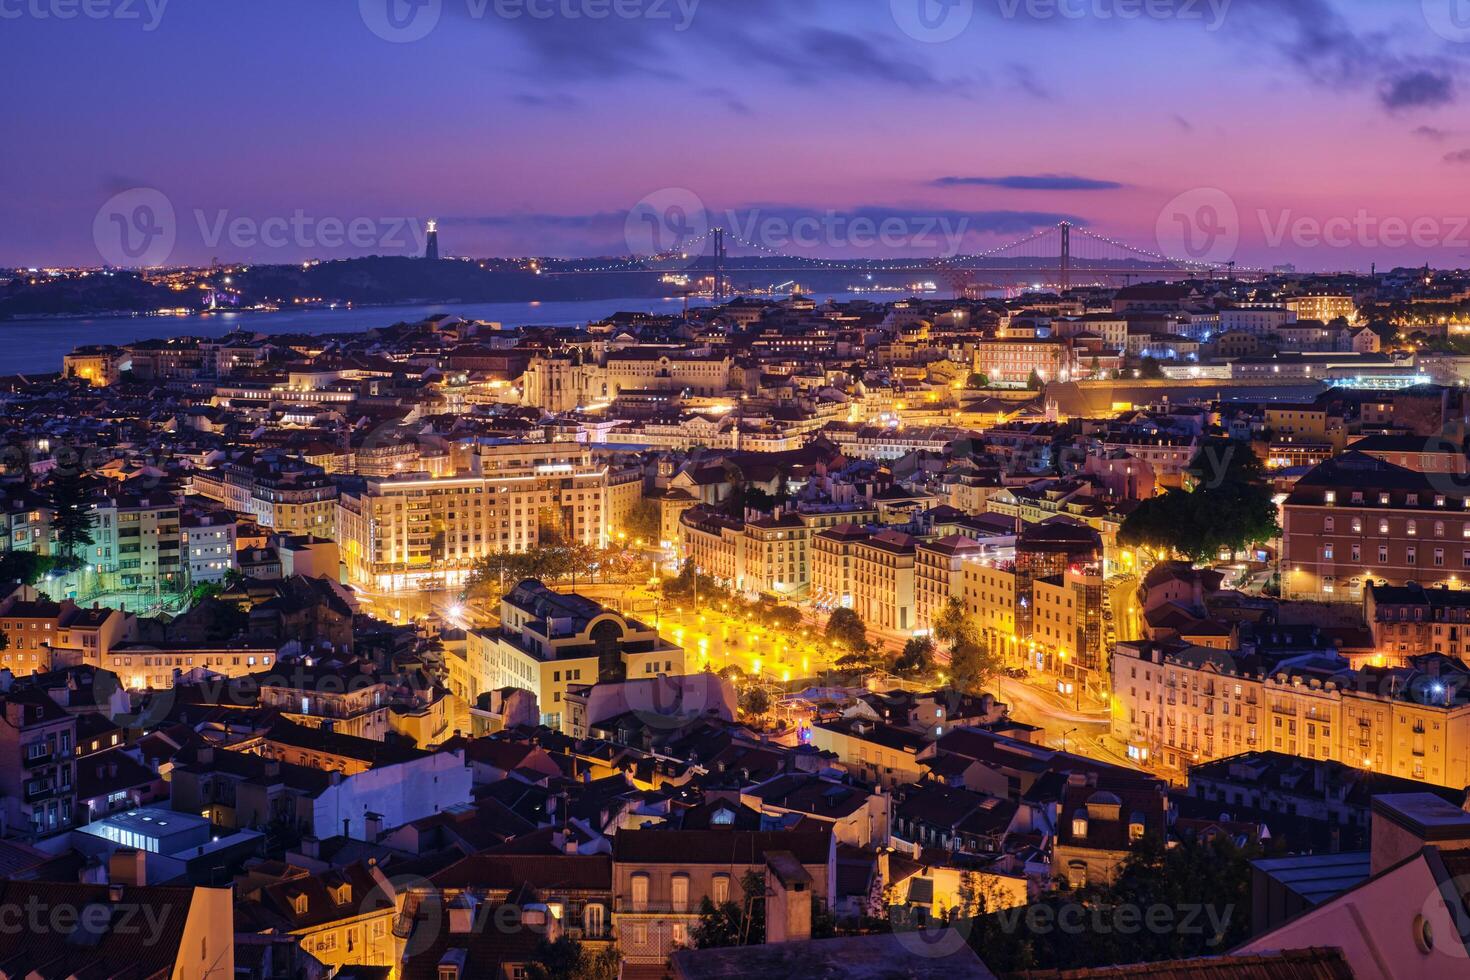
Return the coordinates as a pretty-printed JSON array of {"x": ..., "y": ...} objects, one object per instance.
[
  {"x": 127, "y": 866},
  {"x": 788, "y": 899},
  {"x": 1404, "y": 823},
  {"x": 311, "y": 847},
  {"x": 462, "y": 915},
  {"x": 372, "y": 826}
]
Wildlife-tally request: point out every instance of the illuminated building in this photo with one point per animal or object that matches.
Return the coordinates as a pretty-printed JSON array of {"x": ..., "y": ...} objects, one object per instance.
[
  {"x": 549, "y": 641},
  {"x": 98, "y": 365},
  {"x": 1356, "y": 519},
  {"x": 1177, "y": 704},
  {"x": 1324, "y": 308},
  {"x": 401, "y": 532}
]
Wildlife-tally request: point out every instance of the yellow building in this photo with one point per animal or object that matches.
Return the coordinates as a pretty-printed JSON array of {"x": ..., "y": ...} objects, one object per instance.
[
  {"x": 548, "y": 641},
  {"x": 342, "y": 917},
  {"x": 1177, "y": 705},
  {"x": 883, "y": 581},
  {"x": 153, "y": 667},
  {"x": 872, "y": 750},
  {"x": 95, "y": 364},
  {"x": 1324, "y": 308},
  {"x": 400, "y": 533},
  {"x": 939, "y": 573}
]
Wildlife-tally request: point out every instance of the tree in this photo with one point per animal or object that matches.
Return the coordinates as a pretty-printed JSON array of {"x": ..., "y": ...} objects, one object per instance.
[
  {"x": 1034, "y": 382},
  {"x": 72, "y": 515},
  {"x": 682, "y": 586},
  {"x": 1213, "y": 876},
  {"x": 1149, "y": 369},
  {"x": 978, "y": 380},
  {"x": 644, "y": 521},
  {"x": 1230, "y": 507},
  {"x": 845, "y": 628},
  {"x": 917, "y": 657},
  {"x": 755, "y": 701},
  {"x": 25, "y": 567},
  {"x": 972, "y": 665},
  {"x": 567, "y": 959},
  {"x": 953, "y": 626},
  {"x": 779, "y": 617},
  {"x": 732, "y": 923}
]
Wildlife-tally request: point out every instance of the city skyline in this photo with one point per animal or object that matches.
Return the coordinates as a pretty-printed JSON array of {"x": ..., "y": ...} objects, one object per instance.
[{"x": 1320, "y": 134}]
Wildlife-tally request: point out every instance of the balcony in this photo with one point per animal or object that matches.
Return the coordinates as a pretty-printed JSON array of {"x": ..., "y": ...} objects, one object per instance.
[
  {"x": 36, "y": 759},
  {"x": 624, "y": 906},
  {"x": 39, "y": 789}
]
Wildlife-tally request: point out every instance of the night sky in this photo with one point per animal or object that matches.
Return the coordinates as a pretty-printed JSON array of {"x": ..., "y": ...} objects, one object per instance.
[{"x": 536, "y": 135}]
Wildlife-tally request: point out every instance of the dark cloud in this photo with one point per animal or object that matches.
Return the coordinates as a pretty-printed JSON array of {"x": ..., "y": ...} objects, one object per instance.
[
  {"x": 1459, "y": 157},
  {"x": 1432, "y": 133},
  {"x": 795, "y": 41},
  {"x": 1321, "y": 41},
  {"x": 1033, "y": 182},
  {"x": 1025, "y": 79},
  {"x": 1181, "y": 122},
  {"x": 548, "y": 100},
  {"x": 1418, "y": 89},
  {"x": 726, "y": 98},
  {"x": 820, "y": 54}
]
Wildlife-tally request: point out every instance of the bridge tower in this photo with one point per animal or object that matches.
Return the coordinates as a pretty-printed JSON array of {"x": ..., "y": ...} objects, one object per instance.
[
  {"x": 722, "y": 287},
  {"x": 1065, "y": 277}
]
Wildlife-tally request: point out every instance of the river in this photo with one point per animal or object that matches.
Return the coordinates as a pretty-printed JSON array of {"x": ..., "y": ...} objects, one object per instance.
[{"x": 37, "y": 346}]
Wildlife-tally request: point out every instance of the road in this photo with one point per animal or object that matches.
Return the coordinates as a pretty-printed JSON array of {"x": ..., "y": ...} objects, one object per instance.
[{"x": 1084, "y": 731}]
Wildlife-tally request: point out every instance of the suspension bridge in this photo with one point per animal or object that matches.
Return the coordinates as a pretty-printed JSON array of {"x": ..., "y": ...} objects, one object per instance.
[{"x": 1064, "y": 255}]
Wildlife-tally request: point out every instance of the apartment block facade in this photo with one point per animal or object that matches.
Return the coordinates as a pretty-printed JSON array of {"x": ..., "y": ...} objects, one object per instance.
[
  {"x": 402, "y": 532},
  {"x": 1357, "y": 519},
  {"x": 1177, "y": 705}
]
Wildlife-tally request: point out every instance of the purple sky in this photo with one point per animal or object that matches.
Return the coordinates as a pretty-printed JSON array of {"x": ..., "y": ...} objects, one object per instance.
[{"x": 1325, "y": 133}]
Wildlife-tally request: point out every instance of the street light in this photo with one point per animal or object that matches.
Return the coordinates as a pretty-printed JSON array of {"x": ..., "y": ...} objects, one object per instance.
[{"x": 1064, "y": 737}]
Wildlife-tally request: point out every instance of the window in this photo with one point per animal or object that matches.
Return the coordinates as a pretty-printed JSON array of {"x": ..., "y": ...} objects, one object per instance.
[
  {"x": 679, "y": 892},
  {"x": 594, "y": 921},
  {"x": 1079, "y": 826},
  {"x": 719, "y": 892},
  {"x": 640, "y": 892}
]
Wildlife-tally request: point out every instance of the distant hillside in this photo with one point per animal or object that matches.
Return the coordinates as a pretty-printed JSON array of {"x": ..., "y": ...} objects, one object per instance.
[{"x": 83, "y": 295}]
